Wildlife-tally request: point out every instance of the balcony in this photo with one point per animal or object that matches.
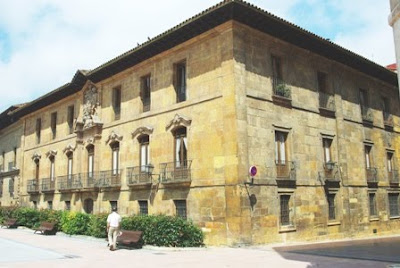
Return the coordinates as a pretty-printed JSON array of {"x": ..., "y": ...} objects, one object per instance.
[
  {"x": 394, "y": 177},
  {"x": 388, "y": 120},
  {"x": 327, "y": 104},
  {"x": 372, "y": 175},
  {"x": 367, "y": 115},
  {"x": 89, "y": 181},
  {"x": 176, "y": 173},
  {"x": 109, "y": 179},
  {"x": 48, "y": 185},
  {"x": 69, "y": 183},
  {"x": 330, "y": 174},
  {"x": 282, "y": 94},
  {"x": 32, "y": 186},
  {"x": 140, "y": 177}
]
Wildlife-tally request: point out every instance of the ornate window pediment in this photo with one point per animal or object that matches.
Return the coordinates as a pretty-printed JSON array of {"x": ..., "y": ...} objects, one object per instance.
[
  {"x": 178, "y": 121},
  {"x": 51, "y": 153},
  {"x": 113, "y": 137},
  {"x": 36, "y": 156},
  {"x": 69, "y": 148},
  {"x": 142, "y": 131}
]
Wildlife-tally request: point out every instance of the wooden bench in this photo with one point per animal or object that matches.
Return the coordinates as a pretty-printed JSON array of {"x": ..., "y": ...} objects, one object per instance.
[
  {"x": 132, "y": 239},
  {"x": 46, "y": 228},
  {"x": 10, "y": 223}
]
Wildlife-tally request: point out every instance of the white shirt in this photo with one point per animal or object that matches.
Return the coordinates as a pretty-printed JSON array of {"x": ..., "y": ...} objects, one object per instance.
[{"x": 114, "y": 219}]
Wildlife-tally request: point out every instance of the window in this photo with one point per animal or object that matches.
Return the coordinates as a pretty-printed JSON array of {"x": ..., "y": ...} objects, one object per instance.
[
  {"x": 372, "y": 205},
  {"x": 116, "y": 102},
  {"x": 90, "y": 150},
  {"x": 114, "y": 204},
  {"x": 54, "y": 125},
  {"x": 280, "y": 148},
  {"x": 52, "y": 168},
  {"x": 368, "y": 157},
  {"x": 34, "y": 204},
  {"x": 67, "y": 205},
  {"x": 143, "y": 207},
  {"x": 326, "y": 143},
  {"x": 115, "y": 158},
  {"x": 180, "y": 148},
  {"x": 38, "y": 129},
  {"x": 180, "y": 206},
  {"x": 11, "y": 187},
  {"x": 145, "y": 92},
  {"x": 3, "y": 161},
  {"x": 276, "y": 71},
  {"x": 284, "y": 210},
  {"x": 322, "y": 84},
  {"x": 70, "y": 156},
  {"x": 50, "y": 204},
  {"x": 88, "y": 206},
  {"x": 1, "y": 188},
  {"x": 15, "y": 156},
  {"x": 394, "y": 204},
  {"x": 389, "y": 162},
  {"x": 180, "y": 83},
  {"x": 331, "y": 206},
  {"x": 37, "y": 168},
  {"x": 70, "y": 119},
  {"x": 363, "y": 98},
  {"x": 144, "y": 153}
]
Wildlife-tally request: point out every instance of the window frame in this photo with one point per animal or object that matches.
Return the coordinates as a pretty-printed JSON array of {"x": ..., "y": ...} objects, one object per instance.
[
  {"x": 115, "y": 158},
  {"x": 180, "y": 81},
  {"x": 331, "y": 200},
  {"x": 284, "y": 210},
  {"x": 373, "y": 212},
  {"x": 144, "y": 147},
  {"x": 393, "y": 205},
  {"x": 181, "y": 208},
  {"x": 181, "y": 156},
  {"x": 53, "y": 124},
  {"x": 90, "y": 151},
  {"x": 143, "y": 207},
  {"x": 70, "y": 118},
  {"x": 145, "y": 92},
  {"x": 38, "y": 130},
  {"x": 117, "y": 102},
  {"x": 279, "y": 160}
]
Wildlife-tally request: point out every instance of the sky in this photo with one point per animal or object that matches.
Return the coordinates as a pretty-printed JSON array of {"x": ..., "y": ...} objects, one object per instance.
[{"x": 44, "y": 42}]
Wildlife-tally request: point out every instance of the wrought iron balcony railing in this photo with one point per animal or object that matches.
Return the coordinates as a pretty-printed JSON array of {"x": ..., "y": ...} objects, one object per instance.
[
  {"x": 69, "y": 183},
  {"x": 33, "y": 186},
  {"x": 89, "y": 180},
  {"x": 139, "y": 175},
  {"x": 367, "y": 114},
  {"x": 109, "y": 178},
  {"x": 372, "y": 175},
  {"x": 285, "y": 170},
  {"x": 394, "y": 176},
  {"x": 327, "y": 101},
  {"x": 330, "y": 172},
  {"x": 280, "y": 88},
  {"x": 48, "y": 185},
  {"x": 175, "y": 172}
]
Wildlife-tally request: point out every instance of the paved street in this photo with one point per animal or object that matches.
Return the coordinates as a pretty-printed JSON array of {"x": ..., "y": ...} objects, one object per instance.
[{"x": 20, "y": 247}]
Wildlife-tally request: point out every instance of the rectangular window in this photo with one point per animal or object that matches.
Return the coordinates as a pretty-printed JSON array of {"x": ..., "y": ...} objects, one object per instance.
[
  {"x": 389, "y": 162},
  {"x": 11, "y": 187},
  {"x": 52, "y": 169},
  {"x": 363, "y": 98},
  {"x": 67, "y": 205},
  {"x": 114, "y": 204},
  {"x": 326, "y": 143},
  {"x": 144, "y": 153},
  {"x": 180, "y": 85},
  {"x": 50, "y": 204},
  {"x": 15, "y": 156},
  {"x": 368, "y": 158},
  {"x": 34, "y": 204},
  {"x": 180, "y": 206},
  {"x": 394, "y": 204},
  {"x": 280, "y": 148},
  {"x": 277, "y": 70},
  {"x": 69, "y": 166},
  {"x": 54, "y": 125},
  {"x": 145, "y": 92},
  {"x": 143, "y": 207},
  {"x": 37, "y": 169},
  {"x": 284, "y": 210},
  {"x": 70, "y": 119},
  {"x": 90, "y": 161},
  {"x": 372, "y": 205},
  {"x": 331, "y": 206},
  {"x": 116, "y": 103},
  {"x": 38, "y": 129},
  {"x": 180, "y": 148},
  {"x": 115, "y": 158},
  {"x": 322, "y": 84}
]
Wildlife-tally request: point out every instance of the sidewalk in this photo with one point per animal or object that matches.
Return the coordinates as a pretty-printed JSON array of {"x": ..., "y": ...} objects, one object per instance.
[{"x": 21, "y": 248}]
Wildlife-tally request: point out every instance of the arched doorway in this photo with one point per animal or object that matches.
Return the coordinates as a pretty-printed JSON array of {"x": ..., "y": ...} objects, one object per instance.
[{"x": 88, "y": 206}]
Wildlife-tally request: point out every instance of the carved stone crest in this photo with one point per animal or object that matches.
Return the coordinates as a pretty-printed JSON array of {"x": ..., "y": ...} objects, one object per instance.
[
  {"x": 51, "y": 153},
  {"x": 179, "y": 120},
  {"x": 90, "y": 103},
  {"x": 113, "y": 137},
  {"x": 142, "y": 131},
  {"x": 36, "y": 156},
  {"x": 69, "y": 148}
]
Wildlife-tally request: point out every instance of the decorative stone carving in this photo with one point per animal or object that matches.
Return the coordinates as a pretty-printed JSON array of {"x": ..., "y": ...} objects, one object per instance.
[
  {"x": 89, "y": 141},
  {"x": 51, "y": 153},
  {"x": 69, "y": 148},
  {"x": 113, "y": 137},
  {"x": 178, "y": 121},
  {"x": 90, "y": 103},
  {"x": 36, "y": 156},
  {"x": 142, "y": 131}
]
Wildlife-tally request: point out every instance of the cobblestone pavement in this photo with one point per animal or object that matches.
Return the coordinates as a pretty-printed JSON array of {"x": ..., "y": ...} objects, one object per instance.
[{"x": 21, "y": 248}]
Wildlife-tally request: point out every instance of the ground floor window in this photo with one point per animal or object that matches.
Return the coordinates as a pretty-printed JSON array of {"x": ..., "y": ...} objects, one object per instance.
[
  {"x": 34, "y": 204},
  {"x": 394, "y": 204},
  {"x": 88, "y": 206},
  {"x": 372, "y": 205},
  {"x": 50, "y": 204},
  {"x": 284, "y": 210},
  {"x": 180, "y": 206},
  {"x": 143, "y": 207},
  {"x": 114, "y": 204},
  {"x": 67, "y": 205},
  {"x": 332, "y": 206}
]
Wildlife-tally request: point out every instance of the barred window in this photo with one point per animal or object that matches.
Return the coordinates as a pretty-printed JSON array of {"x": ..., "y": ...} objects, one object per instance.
[
  {"x": 372, "y": 204},
  {"x": 331, "y": 206},
  {"x": 114, "y": 204},
  {"x": 143, "y": 207},
  {"x": 67, "y": 205},
  {"x": 180, "y": 206},
  {"x": 50, "y": 204},
  {"x": 394, "y": 204},
  {"x": 284, "y": 206}
]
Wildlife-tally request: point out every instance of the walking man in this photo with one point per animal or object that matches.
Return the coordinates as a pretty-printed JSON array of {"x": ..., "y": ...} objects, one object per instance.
[{"x": 113, "y": 226}]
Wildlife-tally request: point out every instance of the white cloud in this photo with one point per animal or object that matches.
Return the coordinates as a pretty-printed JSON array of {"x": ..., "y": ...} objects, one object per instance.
[{"x": 51, "y": 39}]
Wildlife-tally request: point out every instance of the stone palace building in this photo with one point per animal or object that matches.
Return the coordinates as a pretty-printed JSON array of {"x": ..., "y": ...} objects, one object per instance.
[{"x": 173, "y": 126}]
